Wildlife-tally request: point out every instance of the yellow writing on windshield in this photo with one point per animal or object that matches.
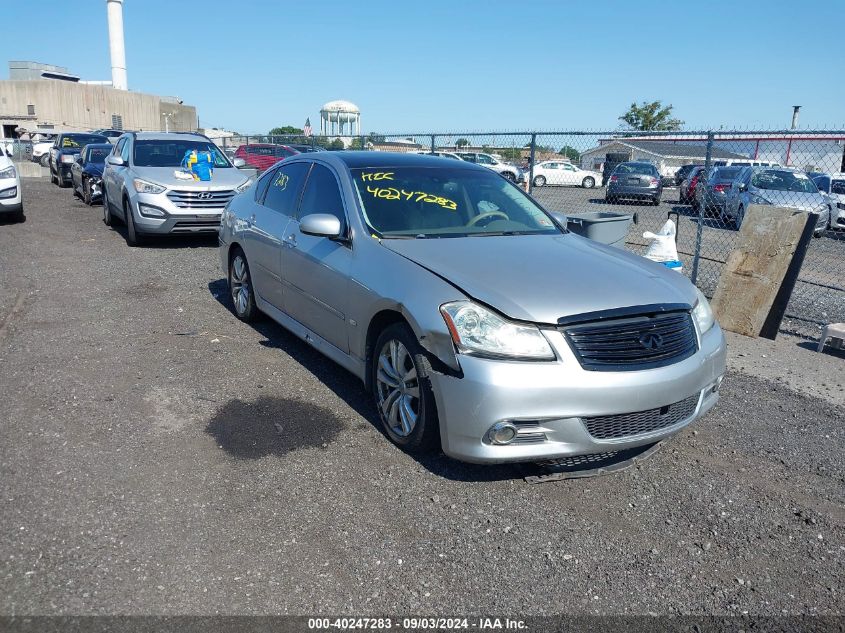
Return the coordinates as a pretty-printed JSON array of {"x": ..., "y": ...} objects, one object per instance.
[
  {"x": 281, "y": 180},
  {"x": 378, "y": 175},
  {"x": 391, "y": 193}
]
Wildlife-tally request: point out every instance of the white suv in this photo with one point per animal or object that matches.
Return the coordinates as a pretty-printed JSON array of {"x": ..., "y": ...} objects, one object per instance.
[{"x": 11, "y": 201}]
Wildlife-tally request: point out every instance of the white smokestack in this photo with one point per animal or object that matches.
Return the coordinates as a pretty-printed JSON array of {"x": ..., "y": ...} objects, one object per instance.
[{"x": 116, "y": 48}]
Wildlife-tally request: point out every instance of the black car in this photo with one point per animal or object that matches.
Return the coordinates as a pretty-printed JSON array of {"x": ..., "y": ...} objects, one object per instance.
[
  {"x": 65, "y": 150},
  {"x": 683, "y": 173},
  {"x": 86, "y": 172}
]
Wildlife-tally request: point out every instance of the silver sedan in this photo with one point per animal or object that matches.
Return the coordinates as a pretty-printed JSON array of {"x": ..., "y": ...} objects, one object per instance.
[{"x": 478, "y": 323}]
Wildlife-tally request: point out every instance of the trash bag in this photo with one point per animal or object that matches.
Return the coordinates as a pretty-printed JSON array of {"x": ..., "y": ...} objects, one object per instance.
[{"x": 662, "y": 247}]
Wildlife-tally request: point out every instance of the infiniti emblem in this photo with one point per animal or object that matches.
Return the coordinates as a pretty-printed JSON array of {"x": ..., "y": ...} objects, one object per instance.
[
  {"x": 204, "y": 195},
  {"x": 651, "y": 340}
]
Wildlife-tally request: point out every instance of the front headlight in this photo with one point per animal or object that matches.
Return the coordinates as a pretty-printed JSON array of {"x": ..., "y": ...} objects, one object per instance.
[
  {"x": 481, "y": 332},
  {"x": 758, "y": 200},
  {"x": 244, "y": 187},
  {"x": 9, "y": 172},
  {"x": 142, "y": 186},
  {"x": 702, "y": 313}
]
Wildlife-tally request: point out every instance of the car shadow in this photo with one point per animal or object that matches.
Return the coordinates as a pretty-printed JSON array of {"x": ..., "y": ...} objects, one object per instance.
[
  {"x": 351, "y": 390},
  {"x": 709, "y": 221},
  {"x": 163, "y": 242}
]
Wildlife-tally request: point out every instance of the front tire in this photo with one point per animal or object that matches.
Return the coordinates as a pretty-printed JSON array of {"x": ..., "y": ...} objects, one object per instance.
[
  {"x": 740, "y": 216},
  {"x": 240, "y": 287},
  {"x": 588, "y": 183},
  {"x": 539, "y": 181},
  {"x": 86, "y": 192},
  {"x": 107, "y": 217},
  {"x": 133, "y": 237},
  {"x": 509, "y": 175},
  {"x": 45, "y": 160},
  {"x": 402, "y": 390}
]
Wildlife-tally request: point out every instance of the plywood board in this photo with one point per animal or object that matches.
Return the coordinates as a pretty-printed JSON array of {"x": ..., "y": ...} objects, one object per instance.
[{"x": 756, "y": 269}]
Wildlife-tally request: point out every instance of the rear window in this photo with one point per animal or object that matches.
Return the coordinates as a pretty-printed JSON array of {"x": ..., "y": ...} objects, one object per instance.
[
  {"x": 727, "y": 173},
  {"x": 838, "y": 186},
  {"x": 81, "y": 140},
  {"x": 636, "y": 168}
]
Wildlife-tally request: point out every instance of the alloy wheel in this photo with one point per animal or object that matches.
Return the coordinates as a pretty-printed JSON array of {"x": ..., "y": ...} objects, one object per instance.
[
  {"x": 398, "y": 388},
  {"x": 240, "y": 286}
]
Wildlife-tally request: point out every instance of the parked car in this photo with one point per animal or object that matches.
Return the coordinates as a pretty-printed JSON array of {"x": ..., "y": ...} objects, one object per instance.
[
  {"x": 476, "y": 344},
  {"x": 686, "y": 192},
  {"x": 110, "y": 134},
  {"x": 11, "y": 195},
  {"x": 451, "y": 155},
  {"x": 41, "y": 151},
  {"x": 264, "y": 155},
  {"x": 141, "y": 188},
  {"x": 834, "y": 186},
  {"x": 555, "y": 172},
  {"x": 743, "y": 162},
  {"x": 634, "y": 179},
  {"x": 306, "y": 148},
  {"x": 780, "y": 186},
  {"x": 86, "y": 173},
  {"x": 65, "y": 151},
  {"x": 712, "y": 192},
  {"x": 683, "y": 173},
  {"x": 511, "y": 172}
]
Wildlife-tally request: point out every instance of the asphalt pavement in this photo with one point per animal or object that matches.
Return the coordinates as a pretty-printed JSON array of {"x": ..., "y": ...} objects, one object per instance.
[{"x": 158, "y": 456}]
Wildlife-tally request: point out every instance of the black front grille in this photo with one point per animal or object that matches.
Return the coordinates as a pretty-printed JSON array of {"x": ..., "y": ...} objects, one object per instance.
[
  {"x": 612, "y": 427},
  {"x": 633, "y": 343}
]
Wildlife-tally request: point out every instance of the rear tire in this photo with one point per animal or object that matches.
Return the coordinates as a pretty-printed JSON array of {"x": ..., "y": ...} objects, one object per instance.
[
  {"x": 240, "y": 287},
  {"x": 509, "y": 175},
  {"x": 539, "y": 181},
  {"x": 655, "y": 201},
  {"x": 402, "y": 391},
  {"x": 588, "y": 183}
]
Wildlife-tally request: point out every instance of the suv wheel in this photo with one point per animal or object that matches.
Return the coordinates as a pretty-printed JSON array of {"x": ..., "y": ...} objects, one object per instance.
[
  {"x": 240, "y": 287},
  {"x": 402, "y": 390},
  {"x": 107, "y": 217},
  {"x": 133, "y": 238}
]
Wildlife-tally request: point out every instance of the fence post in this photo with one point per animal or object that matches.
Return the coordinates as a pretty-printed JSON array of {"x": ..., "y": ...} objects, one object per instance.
[
  {"x": 531, "y": 163},
  {"x": 432, "y": 143},
  {"x": 312, "y": 141},
  {"x": 700, "y": 229}
]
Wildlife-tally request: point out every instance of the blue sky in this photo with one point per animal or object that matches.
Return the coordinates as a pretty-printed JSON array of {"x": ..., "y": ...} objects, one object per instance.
[{"x": 456, "y": 65}]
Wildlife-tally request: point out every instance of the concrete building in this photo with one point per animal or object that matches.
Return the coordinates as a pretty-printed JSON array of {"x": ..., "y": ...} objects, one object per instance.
[{"x": 667, "y": 157}]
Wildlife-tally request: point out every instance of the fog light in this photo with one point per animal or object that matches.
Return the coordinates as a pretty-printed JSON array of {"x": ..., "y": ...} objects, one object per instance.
[
  {"x": 9, "y": 193},
  {"x": 502, "y": 433},
  {"x": 151, "y": 212}
]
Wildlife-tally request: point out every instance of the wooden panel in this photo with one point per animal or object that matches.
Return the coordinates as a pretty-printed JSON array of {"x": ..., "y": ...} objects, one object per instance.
[{"x": 755, "y": 270}]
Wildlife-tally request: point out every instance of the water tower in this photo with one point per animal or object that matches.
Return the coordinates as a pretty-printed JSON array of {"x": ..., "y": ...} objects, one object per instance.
[{"x": 340, "y": 118}]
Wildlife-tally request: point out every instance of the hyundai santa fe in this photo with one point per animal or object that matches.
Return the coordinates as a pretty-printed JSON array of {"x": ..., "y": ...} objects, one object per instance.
[
  {"x": 145, "y": 186},
  {"x": 478, "y": 323}
]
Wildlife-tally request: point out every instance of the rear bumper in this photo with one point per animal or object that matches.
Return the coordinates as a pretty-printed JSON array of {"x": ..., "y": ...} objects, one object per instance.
[
  {"x": 554, "y": 398},
  {"x": 623, "y": 191}
]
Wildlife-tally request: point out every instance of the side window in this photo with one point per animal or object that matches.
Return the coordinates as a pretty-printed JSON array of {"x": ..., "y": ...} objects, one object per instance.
[
  {"x": 118, "y": 149},
  {"x": 322, "y": 195},
  {"x": 124, "y": 151},
  {"x": 283, "y": 189},
  {"x": 263, "y": 182}
]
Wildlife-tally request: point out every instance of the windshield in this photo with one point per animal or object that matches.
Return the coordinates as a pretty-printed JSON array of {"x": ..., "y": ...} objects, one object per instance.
[
  {"x": 445, "y": 202},
  {"x": 167, "y": 153},
  {"x": 784, "y": 181},
  {"x": 81, "y": 140},
  {"x": 838, "y": 186},
  {"x": 97, "y": 154},
  {"x": 636, "y": 168}
]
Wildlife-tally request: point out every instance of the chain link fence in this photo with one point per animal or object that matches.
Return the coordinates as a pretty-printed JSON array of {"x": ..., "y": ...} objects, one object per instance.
[{"x": 704, "y": 181}]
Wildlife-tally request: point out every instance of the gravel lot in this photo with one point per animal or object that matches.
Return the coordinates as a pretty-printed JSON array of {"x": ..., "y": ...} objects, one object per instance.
[
  {"x": 159, "y": 456},
  {"x": 819, "y": 294}
]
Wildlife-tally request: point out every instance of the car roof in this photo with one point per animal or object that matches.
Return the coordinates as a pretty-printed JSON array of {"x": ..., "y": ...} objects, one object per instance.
[
  {"x": 356, "y": 159},
  {"x": 166, "y": 136},
  {"x": 98, "y": 145}
]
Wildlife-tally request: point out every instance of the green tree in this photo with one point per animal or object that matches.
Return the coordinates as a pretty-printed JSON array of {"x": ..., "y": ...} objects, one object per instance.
[
  {"x": 461, "y": 142},
  {"x": 571, "y": 153},
  {"x": 336, "y": 144},
  {"x": 286, "y": 130},
  {"x": 512, "y": 153},
  {"x": 651, "y": 117}
]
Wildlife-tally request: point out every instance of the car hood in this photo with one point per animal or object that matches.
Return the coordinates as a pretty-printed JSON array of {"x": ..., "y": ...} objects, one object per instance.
[
  {"x": 793, "y": 199},
  {"x": 541, "y": 278},
  {"x": 95, "y": 169},
  {"x": 222, "y": 178}
]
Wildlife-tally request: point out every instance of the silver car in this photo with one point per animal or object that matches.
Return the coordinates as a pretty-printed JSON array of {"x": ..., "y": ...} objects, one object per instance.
[
  {"x": 779, "y": 186},
  {"x": 476, "y": 320},
  {"x": 145, "y": 186}
]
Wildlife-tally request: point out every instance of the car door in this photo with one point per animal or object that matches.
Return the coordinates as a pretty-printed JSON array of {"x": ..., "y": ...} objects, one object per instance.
[
  {"x": 266, "y": 229},
  {"x": 568, "y": 174},
  {"x": 110, "y": 182},
  {"x": 554, "y": 174},
  {"x": 315, "y": 270}
]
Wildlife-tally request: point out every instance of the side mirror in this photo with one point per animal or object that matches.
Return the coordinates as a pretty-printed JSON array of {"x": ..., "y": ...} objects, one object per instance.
[
  {"x": 117, "y": 161},
  {"x": 741, "y": 187},
  {"x": 560, "y": 218},
  {"x": 239, "y": 162},
  {"x": 321, "y": 225}
]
